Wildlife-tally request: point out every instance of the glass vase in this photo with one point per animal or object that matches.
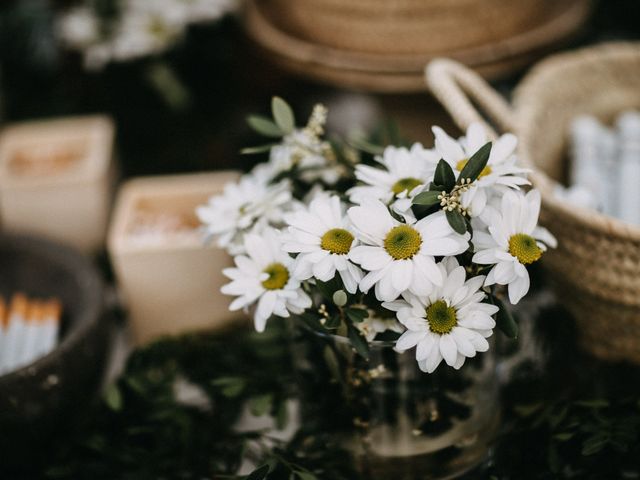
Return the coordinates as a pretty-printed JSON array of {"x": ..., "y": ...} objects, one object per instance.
[{"x": 395, "y": 420}]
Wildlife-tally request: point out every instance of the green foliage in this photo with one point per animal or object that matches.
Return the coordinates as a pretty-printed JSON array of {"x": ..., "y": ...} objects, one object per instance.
[
  {"x": 264, "y": 126},
  {"x": 456, "y": 221},
  {"x": 476, "y": 164},
  {"x": 504, "y": 319},
  {"x": 283, "y": 115},
  {"x": 444, "y": 176}
]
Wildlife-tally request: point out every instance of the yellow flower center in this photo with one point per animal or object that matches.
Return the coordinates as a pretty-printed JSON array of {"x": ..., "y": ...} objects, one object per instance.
[
  {"x": 441, "y": 317},
  {"x": 337, "y": 240},
  {"x": 402, "y": 242},
  {"x": 485, "y": 171},
  {"x": 278, "y": 276},
  {"x": 524, "y": 248},
  {"x": 407, "y": 184}
]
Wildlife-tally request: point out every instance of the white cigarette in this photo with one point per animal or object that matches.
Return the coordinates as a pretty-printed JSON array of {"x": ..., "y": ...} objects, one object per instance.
[
  {"x": 628, "y": 187},
  {"x": 33, "y": 326},
  {"x": 50, "y": 324},
  {"x": 14, "y": 333}
]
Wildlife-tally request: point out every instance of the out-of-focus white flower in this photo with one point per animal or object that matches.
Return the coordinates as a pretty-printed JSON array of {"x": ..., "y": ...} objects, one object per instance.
[
  {"x": 248, "y": 205},
  {"x": 372, "y": 326},
  {"x": 200, "y": 11},
  {"x": 263, "y": 277},
  {"x": 147, "y": 28},
  {"x": 78, "y": 28},
  {"x": 450, "y": 323},
  {"x": 515, "y": 241},
  {"x": 302, "y": 150},
  {"x": 142, "y": 28}
]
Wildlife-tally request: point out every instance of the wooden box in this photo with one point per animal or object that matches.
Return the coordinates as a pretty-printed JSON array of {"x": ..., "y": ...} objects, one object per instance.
[
  {"x": 56, "y": 179},
  {"x": 170, "y": 279}
]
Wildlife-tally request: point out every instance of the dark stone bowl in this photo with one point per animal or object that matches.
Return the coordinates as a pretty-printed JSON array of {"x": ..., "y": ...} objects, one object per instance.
[{"x": 43, "y": 398}]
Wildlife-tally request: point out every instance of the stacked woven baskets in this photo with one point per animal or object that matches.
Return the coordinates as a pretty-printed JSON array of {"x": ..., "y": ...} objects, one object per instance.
[
  {"x": 597, "y": 263},
  {"x": 383, "y": 45}
]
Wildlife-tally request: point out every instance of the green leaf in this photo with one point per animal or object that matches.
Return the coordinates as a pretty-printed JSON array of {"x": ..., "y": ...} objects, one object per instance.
[
  {"x": 332, "y": 322},
  {"x": 360, "y": 143},
  {"x": 306, "y": 476},
  {"x": 264, "y": 126},
  {"x": 444, "y": 175},
  {"x": 595, "y": 403},
  {"x": 261, "y": 404},
  {"x": 332, "y": 362},
  {"x": 594, "y": 444},
  {"x": 258, "y": 149},
  {"x": 230, "y": 387},
  {"x": 564, "y": 436},
  {"x": 113, "y": 397},
  {"x": 358, "y": 342},
  {"x": 504, "y": 320},
  {"x": 476, "y": 163},
  {"x": 282, "y": 416},
  {"x": 283, "y": 115},
  {"x": 456, "y": 220},
  {"x": 259, "y": 473},
  {"x": 356, "y": 315},
  {"x": 427, "y": 198}
]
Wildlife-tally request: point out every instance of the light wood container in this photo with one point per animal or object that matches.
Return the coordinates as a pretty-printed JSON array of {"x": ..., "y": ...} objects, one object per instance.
[
  {"x": 170, "y": 279},
  {"x": 56, "y": 178}
]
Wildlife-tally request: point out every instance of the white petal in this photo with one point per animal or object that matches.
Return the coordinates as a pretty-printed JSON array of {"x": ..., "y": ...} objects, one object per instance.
[
  {"x": 476, "y": 137},
  {"x": 503, "y": 148},
  {"x": 425, "y": 346},
  {"x": 432, "y": 362},
  {"x": 325, "y": 269},
  {"x": 518, "y": 289},
  {"x": 401, "y": 274},
  {"x": 450, "y": 150},
  {"x": 409, "y": 339},
  {"x": 369, "y": 257},
  {"x": 448, "y": 349}
]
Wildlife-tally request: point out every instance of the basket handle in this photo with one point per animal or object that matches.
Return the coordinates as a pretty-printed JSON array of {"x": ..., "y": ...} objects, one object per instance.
[{"x": 455, "y": 86}]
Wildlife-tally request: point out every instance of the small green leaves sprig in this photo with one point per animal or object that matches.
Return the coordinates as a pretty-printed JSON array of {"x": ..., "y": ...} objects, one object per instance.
[
  {"x": 446, "y": 190},
  {"x": 283, "y": 122}
]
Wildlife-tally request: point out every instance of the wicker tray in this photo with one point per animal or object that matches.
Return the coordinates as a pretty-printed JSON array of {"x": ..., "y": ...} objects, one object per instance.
[{"x": 402, "y": 71}]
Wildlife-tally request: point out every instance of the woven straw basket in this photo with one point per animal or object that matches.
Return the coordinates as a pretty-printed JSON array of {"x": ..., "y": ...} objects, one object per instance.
[
  {"x": 383, "y": 45},
  {"x": 596, "y": 267}
]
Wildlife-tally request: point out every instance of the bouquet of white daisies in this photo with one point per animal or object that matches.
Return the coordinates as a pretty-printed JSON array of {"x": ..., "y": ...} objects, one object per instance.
[{"x": 412, "y": 245}]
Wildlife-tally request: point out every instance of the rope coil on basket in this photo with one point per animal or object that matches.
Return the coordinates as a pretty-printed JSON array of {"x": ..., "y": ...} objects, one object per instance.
[{"x": 596, "y": 267}]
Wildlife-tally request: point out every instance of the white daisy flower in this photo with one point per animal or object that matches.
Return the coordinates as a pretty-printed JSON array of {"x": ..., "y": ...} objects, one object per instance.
[
  {"x": 501, "y": 171},
  {"x": 404, "y": 174},
  {"x": 514, "y": 241},
  {"x": 244, "y": 205},
  {"x": 400, "y": 256},
  {"x": 200, "y": 11},
  {"x": 79, "y": 27},
  {"x": 264, "y": 276},
  {"x": 302, "y": 149},
  {"x": 321, "y": 237},
  {"x": 450, "y": 323},
  {"x": 147, "y": 28},
  {"x": 372, "y": 326}
]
